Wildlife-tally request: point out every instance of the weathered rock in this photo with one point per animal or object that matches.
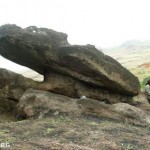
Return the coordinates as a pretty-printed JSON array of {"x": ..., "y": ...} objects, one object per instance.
[
  {"x": 13, "y": 85},
  {"x": 57, "y": 83},
  {"x": 131, "y": 113},
  {"x": 29, "y": 46},
  {"x": 47, "y": 51},
  {"x": 38, "y": 104},
  {"x": 66, "y": 85},
  {"x": 120, "y": 112}
]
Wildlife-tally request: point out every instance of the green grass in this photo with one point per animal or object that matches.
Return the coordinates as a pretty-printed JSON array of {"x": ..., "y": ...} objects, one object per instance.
[
  {"x": 128, "y": 146},
  {"x": 142, "y": 74},
  {"x": 5, "y": 137}
]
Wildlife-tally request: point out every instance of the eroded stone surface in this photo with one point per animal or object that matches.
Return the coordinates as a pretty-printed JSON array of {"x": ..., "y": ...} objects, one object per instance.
[
  {"x": 46, "y": 51},
  {"x": 39, "y": 104}
]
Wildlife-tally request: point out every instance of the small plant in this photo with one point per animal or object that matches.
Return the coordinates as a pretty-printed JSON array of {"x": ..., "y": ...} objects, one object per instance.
[
  {"x": 4, "y": 132},
  {"x": 128, "y": 146},
  {"x": 49, "y": 130},
  {"x": 144, "y": 82}
]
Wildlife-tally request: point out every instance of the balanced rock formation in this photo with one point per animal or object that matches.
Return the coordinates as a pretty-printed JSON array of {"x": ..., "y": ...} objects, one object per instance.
[{"x": 68, "y": 69}]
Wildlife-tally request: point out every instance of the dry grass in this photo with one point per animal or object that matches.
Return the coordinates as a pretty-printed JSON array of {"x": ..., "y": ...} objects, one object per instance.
[{"x": 70, "y": 133}]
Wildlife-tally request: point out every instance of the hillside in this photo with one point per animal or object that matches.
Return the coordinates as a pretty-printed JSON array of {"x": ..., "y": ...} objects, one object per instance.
[{"x": 131, "y": 54}]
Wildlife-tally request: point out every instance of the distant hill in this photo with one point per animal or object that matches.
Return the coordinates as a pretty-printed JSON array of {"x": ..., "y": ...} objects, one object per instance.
[
  {"x": 133, "y": 44},
  {"x": 130, "y": 45},
  {"x": 145, "y": 65},
  {"x": 131, "y": 53}
]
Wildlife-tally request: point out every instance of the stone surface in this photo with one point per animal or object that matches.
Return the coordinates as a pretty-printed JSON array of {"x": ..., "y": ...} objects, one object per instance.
[
  {"x": 120, "y": 112},
  {"x": 30, "y": 46},
  {"x": 39, "y": 104},
  {"x": 46, "y": 51},
  {"x": 131, "y": 114},
  {"x": 13, "y": 85},
  {"x": 66, "y": 85}
]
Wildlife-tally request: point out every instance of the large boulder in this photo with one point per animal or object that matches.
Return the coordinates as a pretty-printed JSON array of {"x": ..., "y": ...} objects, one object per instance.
[
  {"x": 66, "y": 85},
  {"x": 29, "y": 46},
  {"x": 13, "y": 85},
  {"x": 47, "y": 52},
  {"x": 39, "y": 104}
]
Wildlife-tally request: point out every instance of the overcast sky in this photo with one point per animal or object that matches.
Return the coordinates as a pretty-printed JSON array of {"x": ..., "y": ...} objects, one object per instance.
[{"x": 104, "y": 23}]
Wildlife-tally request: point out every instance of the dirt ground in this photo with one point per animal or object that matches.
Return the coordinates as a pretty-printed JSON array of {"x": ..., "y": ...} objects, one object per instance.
[{"x": 64, "y": 132}]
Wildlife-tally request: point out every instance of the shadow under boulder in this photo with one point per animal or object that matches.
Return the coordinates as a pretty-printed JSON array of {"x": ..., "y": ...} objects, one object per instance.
[{"x": 8, "y": 110}]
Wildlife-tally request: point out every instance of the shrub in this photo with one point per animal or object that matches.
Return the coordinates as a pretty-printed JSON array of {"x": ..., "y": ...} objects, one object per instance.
[{"x": 144, "y": 82}]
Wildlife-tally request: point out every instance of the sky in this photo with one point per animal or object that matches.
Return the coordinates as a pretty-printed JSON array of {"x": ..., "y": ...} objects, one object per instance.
[{"x": 103, "y": 23}]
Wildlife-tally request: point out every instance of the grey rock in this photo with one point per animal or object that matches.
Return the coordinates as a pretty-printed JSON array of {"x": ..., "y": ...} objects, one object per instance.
[
  {"x": 39, "y": 104},
  {"x": 47, "y": 52},
  {"x": 13, "y": 85}
]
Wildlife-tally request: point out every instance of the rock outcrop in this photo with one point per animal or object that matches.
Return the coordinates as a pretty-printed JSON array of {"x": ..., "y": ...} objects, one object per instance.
[
  {"x": 13, "y": 85},
  {"x": 81, "y": 102},
  {"x": 48, "y": 52},
  {"x": 39, "y": 104}
]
